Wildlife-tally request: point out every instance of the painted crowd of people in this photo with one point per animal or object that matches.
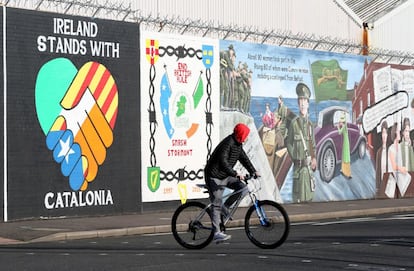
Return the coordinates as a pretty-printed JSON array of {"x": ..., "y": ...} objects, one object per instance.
[
  {"x": 235, "y": 82},
  {"x": 394, "y": 159}
]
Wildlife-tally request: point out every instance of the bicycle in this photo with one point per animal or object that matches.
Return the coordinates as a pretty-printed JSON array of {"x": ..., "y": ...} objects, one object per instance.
[{"x": 192, "y": 227}]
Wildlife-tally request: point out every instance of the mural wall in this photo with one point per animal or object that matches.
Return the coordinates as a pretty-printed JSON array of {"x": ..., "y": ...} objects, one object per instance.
[
  {"x": 101, "y": 118},
  {"x": 3, "y": 195}
]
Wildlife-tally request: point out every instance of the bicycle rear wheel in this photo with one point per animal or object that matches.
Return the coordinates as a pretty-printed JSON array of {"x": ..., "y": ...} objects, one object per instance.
[
  {"x": 275, "y": 229},
  {"x": 191, "y": 225}
]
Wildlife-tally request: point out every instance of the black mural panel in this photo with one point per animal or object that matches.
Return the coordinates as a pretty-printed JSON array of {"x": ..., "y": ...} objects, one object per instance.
[
  {"x": 2, "y": 119},
  {"x": 73, "y": 115}
]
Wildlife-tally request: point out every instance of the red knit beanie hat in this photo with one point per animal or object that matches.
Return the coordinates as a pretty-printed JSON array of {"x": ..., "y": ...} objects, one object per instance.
[{"x": 241, "y": 131}]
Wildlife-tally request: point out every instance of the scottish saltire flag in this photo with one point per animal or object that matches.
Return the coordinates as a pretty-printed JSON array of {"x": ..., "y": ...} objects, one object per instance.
[{"x": 329, "y": 81}]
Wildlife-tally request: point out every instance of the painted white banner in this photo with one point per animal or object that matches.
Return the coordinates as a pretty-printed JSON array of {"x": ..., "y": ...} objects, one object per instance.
[{"x": 388, "y": 105}]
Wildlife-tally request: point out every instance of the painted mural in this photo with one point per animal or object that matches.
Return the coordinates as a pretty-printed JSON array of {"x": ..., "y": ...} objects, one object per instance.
[
  {"x": 301, "y": 102},
  {"x": 66, "y": 154},
  {"x": 384, "y": 101},
  {"x": 180, "y": 92}
]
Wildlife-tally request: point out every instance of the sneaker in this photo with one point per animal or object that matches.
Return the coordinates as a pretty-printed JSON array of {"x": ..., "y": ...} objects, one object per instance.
[{"x": 220, "y": 237}]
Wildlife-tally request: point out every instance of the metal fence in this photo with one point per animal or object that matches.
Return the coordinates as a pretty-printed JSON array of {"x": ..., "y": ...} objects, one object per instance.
[{"x": 107, "y": 9}]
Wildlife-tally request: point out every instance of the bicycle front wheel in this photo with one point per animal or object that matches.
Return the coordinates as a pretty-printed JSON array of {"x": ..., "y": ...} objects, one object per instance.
[
  {"x": 273, "y": 230},
  {"x": 191, "y": 225}
]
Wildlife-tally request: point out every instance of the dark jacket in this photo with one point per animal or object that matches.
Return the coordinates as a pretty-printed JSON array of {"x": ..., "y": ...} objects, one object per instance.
[{"x": 224, "y": 158}]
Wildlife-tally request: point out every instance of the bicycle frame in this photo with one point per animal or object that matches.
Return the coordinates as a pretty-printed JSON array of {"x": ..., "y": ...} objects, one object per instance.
[{"x": 232, "y": 209}]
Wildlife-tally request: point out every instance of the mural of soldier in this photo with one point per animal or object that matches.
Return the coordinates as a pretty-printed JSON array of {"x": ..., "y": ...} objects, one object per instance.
[
  {"x": 227, "y": 59},
  {"x": 244, "y": 88},
  {"x": 300, "y": 142},
  {"x": 238, "y": 88},
  {"x": 282, "y": 111},
  {"x": 249, "y": 88}
]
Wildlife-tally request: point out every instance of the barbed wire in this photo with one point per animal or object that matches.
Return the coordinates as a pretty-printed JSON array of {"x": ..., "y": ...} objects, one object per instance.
[{"x": 186, "y": 26}]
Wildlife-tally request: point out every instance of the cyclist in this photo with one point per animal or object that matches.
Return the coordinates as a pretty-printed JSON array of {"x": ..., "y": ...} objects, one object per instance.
[{"x": 219, "y": 173}]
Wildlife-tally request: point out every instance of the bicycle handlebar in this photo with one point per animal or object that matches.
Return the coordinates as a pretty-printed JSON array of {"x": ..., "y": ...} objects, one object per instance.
[{"x": 248, "y": 177}]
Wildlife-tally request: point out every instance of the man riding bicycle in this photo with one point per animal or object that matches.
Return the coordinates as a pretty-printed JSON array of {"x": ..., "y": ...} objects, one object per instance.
[{"x": 219, "y": 173}]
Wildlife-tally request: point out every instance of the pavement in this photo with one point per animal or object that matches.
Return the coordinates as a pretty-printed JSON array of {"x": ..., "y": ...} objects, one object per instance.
[{"x": 59, "y": 229}]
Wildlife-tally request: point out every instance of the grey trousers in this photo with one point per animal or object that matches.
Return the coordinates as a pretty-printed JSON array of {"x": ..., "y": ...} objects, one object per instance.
[{"x": 216, "y": 190}]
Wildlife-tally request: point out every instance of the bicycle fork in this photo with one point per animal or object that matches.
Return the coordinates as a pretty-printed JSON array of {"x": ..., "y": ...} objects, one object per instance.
[{"x": 260, "y": 212}]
